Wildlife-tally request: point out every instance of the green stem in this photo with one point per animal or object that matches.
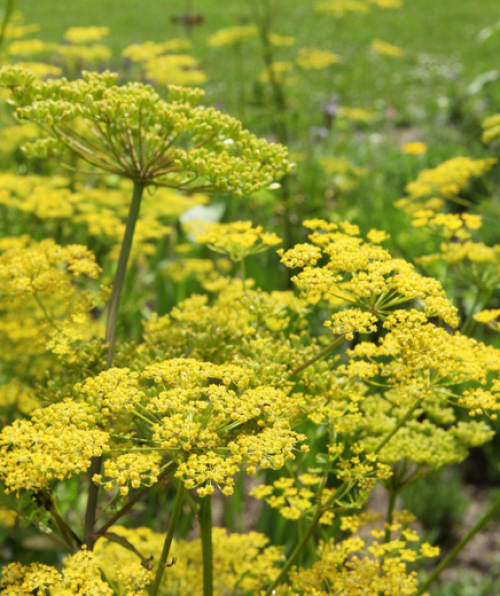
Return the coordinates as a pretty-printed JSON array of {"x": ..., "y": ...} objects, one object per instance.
[
  {"x": 401, "y": 423},
  {"x": 121, "y": 269},
  {"x": 393, "y": 494},
  {"x": 469, "y": 321},
  {"x": 450, "y": 557},
  {"x": 206, "y": 544},
  {"x": 49, "y": 317},
  {"x": 303, "y": 543},
  {"x": 168, "y": 540},
  {"x": 128, "y": 506},
  {"x": 9, "y": 9},
  {"x": 243, "y": 272},
  {"x": 318, "y": 356},
  {"x": 91, "y": 511}
]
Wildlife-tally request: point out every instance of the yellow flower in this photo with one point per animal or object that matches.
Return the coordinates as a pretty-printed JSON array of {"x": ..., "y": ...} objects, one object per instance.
[
  {"x": 446, "y": 181},
  {"x": 85, "y": 34},
  {"x": 354, "y": 320},
  {"x": 357, "y": 114},
  {"x": 238, "y": 239},
  {"x": 29, "y": 47},
  {"x": 491, "y": 128},
  {"x": 377, "y": 236},
  {"x": 314, "y": 59},
  {"x": 414, "y": 148},
  {"x": 339, "y": 8},
  {"x": 280, "y": 40},
  {"x": 232, "y": 35},
  {"x": 382, "y": 47},
  {"x": 41, "y": 69}
]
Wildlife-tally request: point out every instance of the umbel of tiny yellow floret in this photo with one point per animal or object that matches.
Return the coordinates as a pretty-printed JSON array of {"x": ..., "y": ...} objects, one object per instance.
[
  {"x": 131, "y": 131},
  {"x": 238, "y": 239}
]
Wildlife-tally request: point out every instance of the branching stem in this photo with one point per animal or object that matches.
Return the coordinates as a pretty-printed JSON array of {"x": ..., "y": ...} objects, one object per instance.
[{"x": 168, "y": 540}]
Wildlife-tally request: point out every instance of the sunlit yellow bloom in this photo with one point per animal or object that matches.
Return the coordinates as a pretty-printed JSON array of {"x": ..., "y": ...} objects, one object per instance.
[
  {"x": 314, "y": 59},
  {"x": 85, "y": 34},
  {"x": 28, "y": 47},
  {"x": 94, "y": 53},
  {"x": 233, "y": 35},
  {"x": 238, "y": 239},
  {"x": 340, "y": 8},
  {"x": 414, "y": 148},
  {"x": 382, "y": 47},
  {"x": 41, "y": 69},
  {"x": 280, "y": 40},
  {"x": 357, "y": 114},
  {"x": 377, "y": 236}
]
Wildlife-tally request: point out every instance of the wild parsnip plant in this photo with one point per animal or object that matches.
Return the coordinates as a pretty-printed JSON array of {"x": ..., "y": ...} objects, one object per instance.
[{"x": 123, "y": 439}]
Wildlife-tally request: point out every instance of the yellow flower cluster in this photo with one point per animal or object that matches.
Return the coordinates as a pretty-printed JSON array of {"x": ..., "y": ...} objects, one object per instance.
[
  {"x": 314, "y": 59},
  {"x": 142, "y": 52},
  {"x": 233, "y": 35},
  {"x": 238, "y": 239},
  {"x": 28, "y": 47},
  {"x": 72, "y": 54},
  {"x": 293, "y": 499},
  {"x": 360, "y": 564},
  {"x": 201, "y": 414},
  {"x": 136, "y": 469},
  {"x": 183, "y": 269},
  {"x": 340, "y": 8},
  {"x": 81, "y": 575},
  {"x": 351, "y": 321},
  {"x": 160, "y": 63},
  {"x": 281, "y": 40},
  {"x": 242, "y": 324},
  {"x": 43, "y": 267},
  {"x": 446, "y": 181},
  {"x": 177, "y": 144},
  {"x": 422, "y": 445},
  {"x": 425, "y": 358},
  {"x": 340, "y": 165},
  {"x": 491, "y": 128},
  {"x": 447, "y": 224},
  {"x": 101, "y": 211},
  {"x": 242, "y": 562},
  {"x": 40, "y": 280},
  {"x": 364, "y": 275},
  {"x": 357, "y": 115},
  {"x": 58, "y": 442},
  {"x": 489, "y": 317},
  {"x": 85, "y": 34}
]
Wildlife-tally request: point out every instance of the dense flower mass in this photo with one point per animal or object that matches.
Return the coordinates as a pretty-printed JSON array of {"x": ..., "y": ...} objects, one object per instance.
[
  {"x": 174, "y": 361},
  {"x": 209, "y": 419}
]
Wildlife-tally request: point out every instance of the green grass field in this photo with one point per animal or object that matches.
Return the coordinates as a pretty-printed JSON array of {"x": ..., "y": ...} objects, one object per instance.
[{"x": 440, "y": 37}]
